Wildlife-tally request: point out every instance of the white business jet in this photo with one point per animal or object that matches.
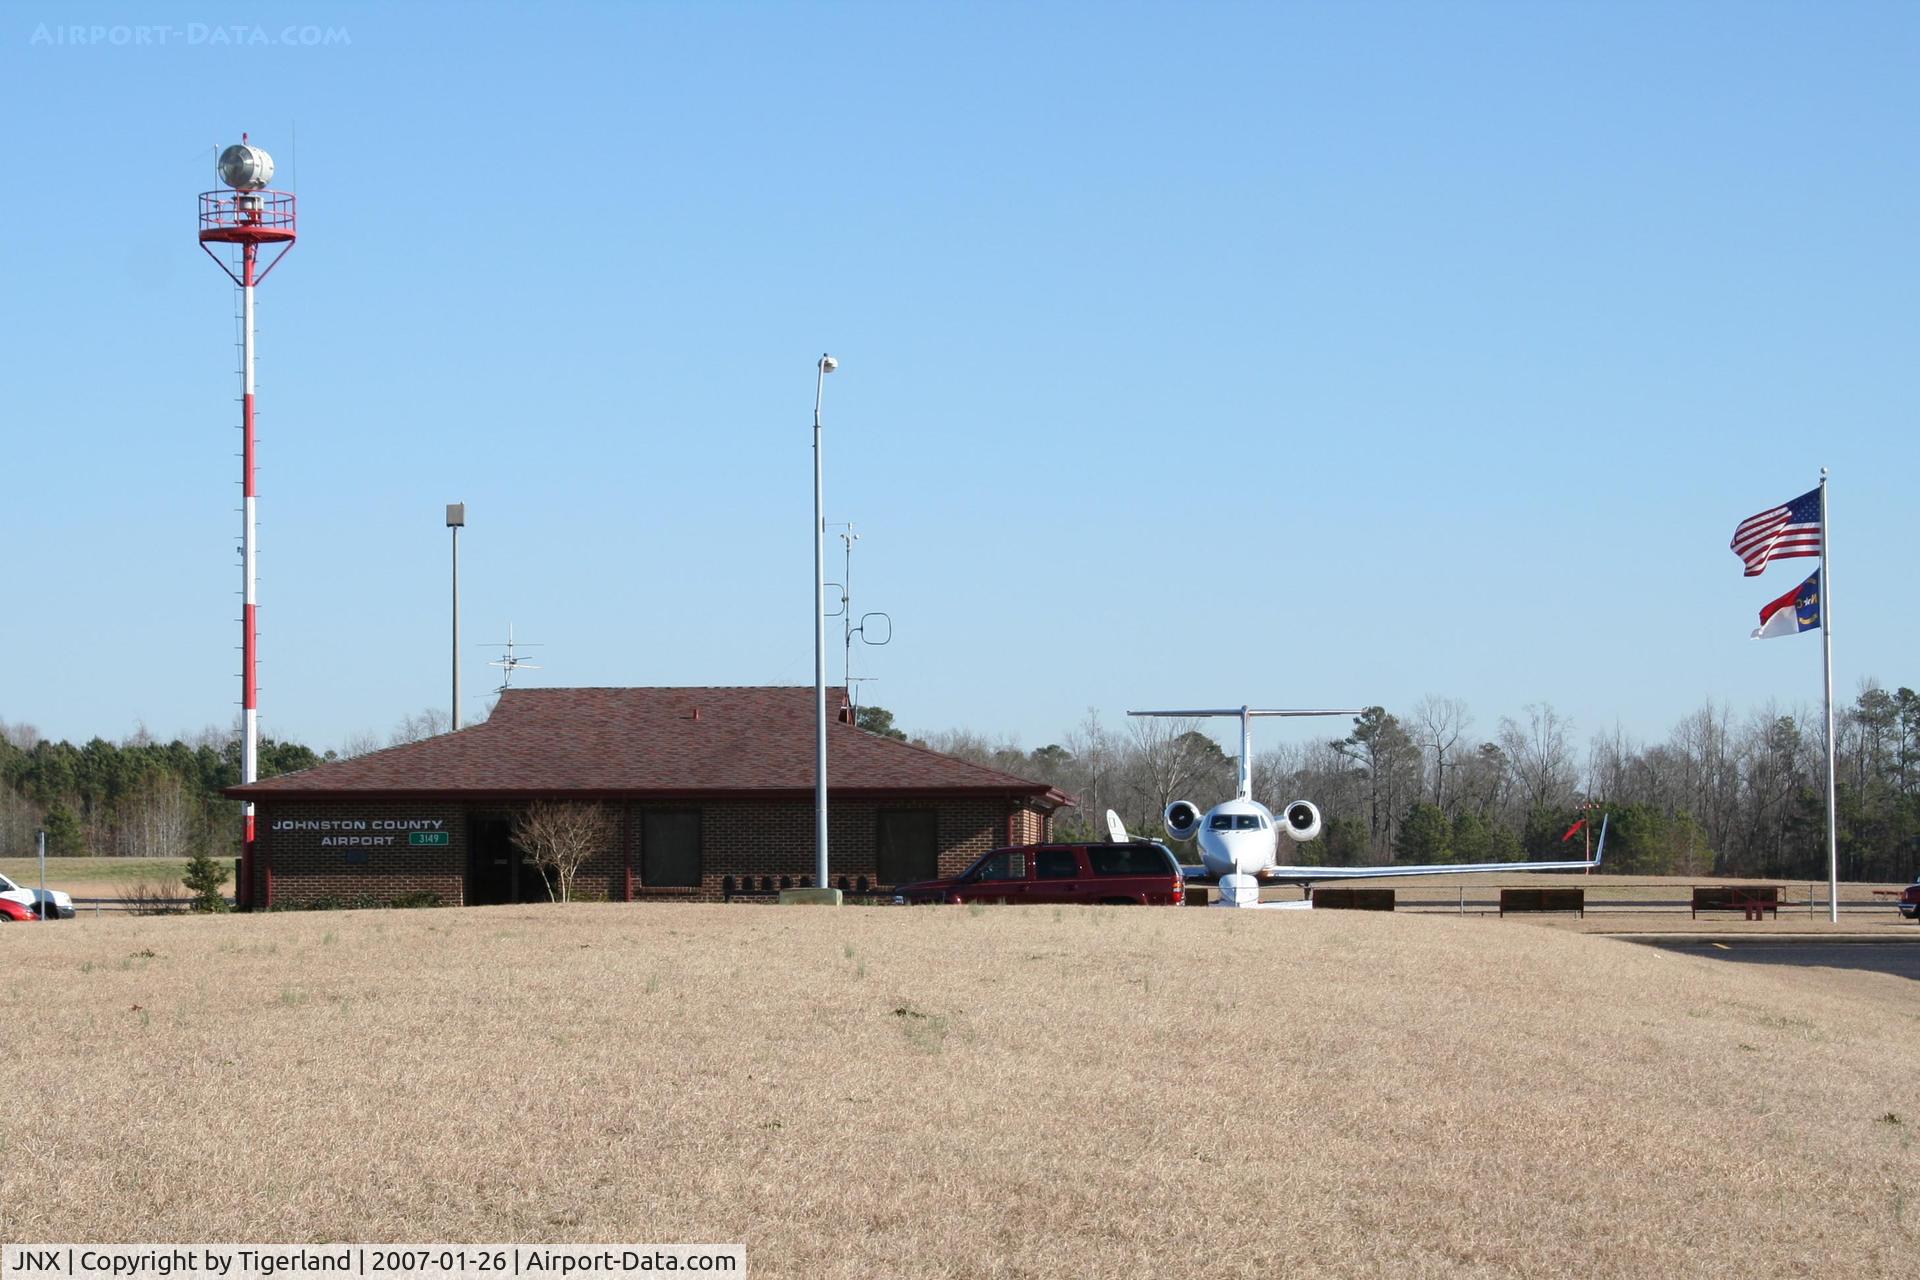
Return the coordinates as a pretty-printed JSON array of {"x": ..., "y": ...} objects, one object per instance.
[{"x": 1239, "y": 838}]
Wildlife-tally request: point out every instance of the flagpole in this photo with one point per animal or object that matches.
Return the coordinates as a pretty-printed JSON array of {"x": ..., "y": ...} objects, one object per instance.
[{"x": 1826, "y": 640}]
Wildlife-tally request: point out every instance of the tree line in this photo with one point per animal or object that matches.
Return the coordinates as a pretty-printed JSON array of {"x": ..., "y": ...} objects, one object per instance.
[
  {"x": 144, "y": 798},
  {"x": 1721, "y": 794}
]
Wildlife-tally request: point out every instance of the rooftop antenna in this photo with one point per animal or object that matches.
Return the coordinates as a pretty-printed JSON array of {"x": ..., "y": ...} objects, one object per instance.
[
  {"x": 511, "y": 662},
  {"x": 848, "y": 627}
]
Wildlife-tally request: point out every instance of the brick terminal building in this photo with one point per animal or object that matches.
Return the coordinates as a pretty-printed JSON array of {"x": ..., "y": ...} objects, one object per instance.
[{"x": 711, "y": 790}]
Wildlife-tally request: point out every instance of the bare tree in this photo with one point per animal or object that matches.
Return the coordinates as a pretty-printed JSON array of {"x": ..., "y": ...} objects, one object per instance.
[
  {"x": 559, "y": 837},
  {"x": 212, "y": 737},
  {"x": 1439, "y": 724},
  {"x": 156, "y": 821},
  {"x": 429, "y": 722},
  {"x": 1538, "y": 754},
  {"x": 1093, "y": 774},
  {"x": 1170, "y": 760},
  {"x": 18, "y": 822},
  {"x": 1709, "y": 765},
  {"x": 359, "y": 744},
  {"x": 1276, "y": 774},
  {"x": 964, "y": 744}
]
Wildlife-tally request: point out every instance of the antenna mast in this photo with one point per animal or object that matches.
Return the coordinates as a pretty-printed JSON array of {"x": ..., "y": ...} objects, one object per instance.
[
  {"x": 849, "y": 628},
  {"x": 510, "y": 662}
]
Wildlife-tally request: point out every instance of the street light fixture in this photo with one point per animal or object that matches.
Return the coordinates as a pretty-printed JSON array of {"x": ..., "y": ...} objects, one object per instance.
[{"x": 826, "y": 366}]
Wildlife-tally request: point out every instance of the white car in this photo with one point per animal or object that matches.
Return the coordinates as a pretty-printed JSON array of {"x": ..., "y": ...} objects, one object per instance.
[{"x": 46, "y": 903}]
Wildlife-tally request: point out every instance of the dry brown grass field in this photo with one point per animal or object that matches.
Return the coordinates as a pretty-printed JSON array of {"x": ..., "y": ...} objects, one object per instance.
[{"x": 947, "y": 1092}]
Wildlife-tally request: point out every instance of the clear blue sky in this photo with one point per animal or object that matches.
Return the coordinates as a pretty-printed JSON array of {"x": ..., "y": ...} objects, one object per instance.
[{"x": 1293, "y": 354}]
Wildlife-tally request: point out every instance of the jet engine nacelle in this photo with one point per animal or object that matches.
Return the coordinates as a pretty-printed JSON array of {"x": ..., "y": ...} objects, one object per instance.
[
  {"x": 1182, "y": 819},
  {"x": 1300, "y": 820}
]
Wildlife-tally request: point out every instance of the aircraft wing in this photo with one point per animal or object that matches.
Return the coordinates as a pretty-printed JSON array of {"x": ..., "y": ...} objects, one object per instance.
[
  {"x": 1307, "y": 875},
  {"x": 1202, "y": 712}
]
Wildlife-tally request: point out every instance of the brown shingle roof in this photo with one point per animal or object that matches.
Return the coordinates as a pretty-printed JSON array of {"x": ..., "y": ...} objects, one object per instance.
[{"x": 650, "y": 742}]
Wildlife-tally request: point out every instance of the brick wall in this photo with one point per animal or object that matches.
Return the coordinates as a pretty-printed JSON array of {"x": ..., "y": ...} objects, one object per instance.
[
  {"x": 305, "y": 852},
  {"x": 312, "y": 851}
]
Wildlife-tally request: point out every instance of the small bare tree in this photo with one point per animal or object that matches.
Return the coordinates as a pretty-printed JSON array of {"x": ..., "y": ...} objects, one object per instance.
[
  {"x": 359, "y": 744},
  {"x": 559, "y": 837},
  {"x": 431, "y": 722}
]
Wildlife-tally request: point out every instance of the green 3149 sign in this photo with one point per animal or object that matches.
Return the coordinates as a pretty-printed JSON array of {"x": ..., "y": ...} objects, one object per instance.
[{"x": 429, "y": 837}]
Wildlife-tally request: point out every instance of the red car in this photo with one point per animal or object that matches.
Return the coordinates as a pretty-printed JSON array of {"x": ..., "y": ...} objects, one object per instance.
[
  {"x": 1095, "y": 874},
  {"x": 11, "y": 911},
  {"x": 1910, "y": 901}
]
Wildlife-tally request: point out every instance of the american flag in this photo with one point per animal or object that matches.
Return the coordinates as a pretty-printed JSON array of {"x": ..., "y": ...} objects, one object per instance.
[{"x": 1779, "y": 533}]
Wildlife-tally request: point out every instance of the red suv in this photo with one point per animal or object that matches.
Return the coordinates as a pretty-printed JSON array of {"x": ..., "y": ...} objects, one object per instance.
[
  {"x": 1137, "y": 872},
  {"x": 1910, "y": 901}
]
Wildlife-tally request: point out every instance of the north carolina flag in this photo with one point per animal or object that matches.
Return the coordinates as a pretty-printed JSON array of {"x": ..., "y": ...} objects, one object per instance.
[{"x": 1792, "y": 613}]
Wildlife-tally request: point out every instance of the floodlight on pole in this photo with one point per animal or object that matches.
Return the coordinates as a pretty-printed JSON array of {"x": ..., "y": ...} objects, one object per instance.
[
  {"x": 247, "y": 216},
  {"x": 826, "y": 366},
  {"x": 245, "y": 167}
]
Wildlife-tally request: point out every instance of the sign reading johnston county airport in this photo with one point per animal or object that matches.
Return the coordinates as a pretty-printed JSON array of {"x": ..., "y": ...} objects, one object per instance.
[{"x": 369, "y": 833}]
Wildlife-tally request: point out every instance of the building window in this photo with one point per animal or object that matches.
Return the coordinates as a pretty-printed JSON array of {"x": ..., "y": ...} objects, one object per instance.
[
  {"x": 907, "y": 845},
  {"x": 670, "y": 848}
]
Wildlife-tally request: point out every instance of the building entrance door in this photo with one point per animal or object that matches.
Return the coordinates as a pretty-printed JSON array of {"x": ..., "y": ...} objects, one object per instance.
[{"x": 493, "y": 863}]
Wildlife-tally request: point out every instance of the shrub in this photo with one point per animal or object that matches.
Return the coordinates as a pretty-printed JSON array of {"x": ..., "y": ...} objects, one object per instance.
[
  {"x": 204, "y": 877},
  {"x": 144, "y": 897}
]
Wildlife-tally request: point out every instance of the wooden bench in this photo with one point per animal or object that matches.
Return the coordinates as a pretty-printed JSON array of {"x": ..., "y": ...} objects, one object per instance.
[
  {"x": 1522, "y": 900},
  {"x": 1353, "y": 899},
  {"x": 1751, "y": 900}
]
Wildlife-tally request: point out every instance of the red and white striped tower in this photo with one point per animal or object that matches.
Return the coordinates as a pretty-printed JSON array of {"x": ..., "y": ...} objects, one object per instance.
[{"x": 250, "y": 216}]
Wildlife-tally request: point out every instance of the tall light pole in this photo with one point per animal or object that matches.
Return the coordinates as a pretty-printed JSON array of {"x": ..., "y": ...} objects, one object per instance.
[
  {"x": 456, "y": 520},
  {"x": 826, "y": 366},
  {"x": 249, "y": 216}
]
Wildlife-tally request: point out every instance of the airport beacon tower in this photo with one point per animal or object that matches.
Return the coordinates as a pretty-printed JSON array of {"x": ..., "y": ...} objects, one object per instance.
[{"x": 249, "y": 217}]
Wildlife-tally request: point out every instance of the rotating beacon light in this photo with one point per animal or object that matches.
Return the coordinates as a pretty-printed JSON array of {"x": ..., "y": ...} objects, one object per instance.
[{"x": 250, "y": 217}]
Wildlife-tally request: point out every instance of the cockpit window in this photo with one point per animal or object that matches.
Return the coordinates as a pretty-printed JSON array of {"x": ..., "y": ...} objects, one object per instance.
[
  {"x": 1246, "y": 822},
  {"x": 1221, "y": 822},
  {"x": 1236, "y": 822}
]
